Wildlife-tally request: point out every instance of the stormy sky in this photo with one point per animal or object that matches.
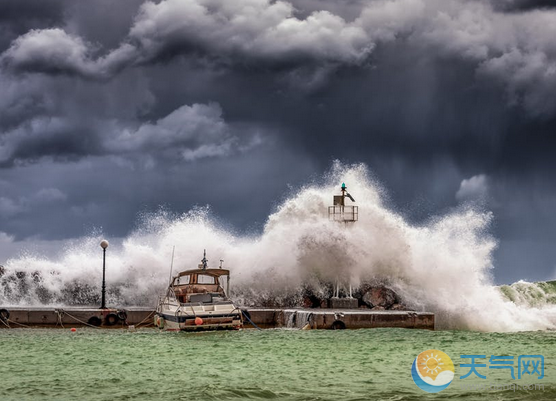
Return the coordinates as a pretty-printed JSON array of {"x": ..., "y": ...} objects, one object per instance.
[{"x": 110, "y": 109}]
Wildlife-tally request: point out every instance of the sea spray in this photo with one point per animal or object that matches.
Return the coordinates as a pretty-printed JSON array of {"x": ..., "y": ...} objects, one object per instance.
[{"x": 443, "y": 266}]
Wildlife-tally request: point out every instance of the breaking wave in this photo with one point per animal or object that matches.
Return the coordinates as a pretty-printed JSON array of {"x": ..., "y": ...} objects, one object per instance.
[
  {"x": 443, "y": 266},
  {"x": 534, "y": 295}
]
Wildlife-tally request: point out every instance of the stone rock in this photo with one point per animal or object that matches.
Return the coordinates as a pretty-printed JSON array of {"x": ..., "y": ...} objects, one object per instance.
[
  {"x": 312, "y": 300},
  {"x": 380, "y": 296}
]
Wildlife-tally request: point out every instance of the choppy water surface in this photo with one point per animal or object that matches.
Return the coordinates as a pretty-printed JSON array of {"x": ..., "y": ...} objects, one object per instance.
[{"x": 56, "y": 364}]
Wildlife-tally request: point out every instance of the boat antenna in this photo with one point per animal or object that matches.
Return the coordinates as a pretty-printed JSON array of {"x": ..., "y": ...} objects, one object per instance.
[
  {"x": 221, "y": 262},
  {"x": 172, "y": 264},
  {"x": 204, "y": 260}
]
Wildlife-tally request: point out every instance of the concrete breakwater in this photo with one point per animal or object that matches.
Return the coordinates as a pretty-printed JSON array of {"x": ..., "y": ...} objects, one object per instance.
[
  {"x": 261, "y": 317},
  {"x": 71, "y": 316},
  {"x": 340, "y": 318}
]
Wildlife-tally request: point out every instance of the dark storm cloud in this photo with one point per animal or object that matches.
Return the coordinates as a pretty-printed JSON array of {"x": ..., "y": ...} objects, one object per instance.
[
  {"x": 117, "y": 16},
  {"x": 47, "y": 137},
  {"x": 109, "y": 110},
  {"x": 516, "y": 49},
  {"x": 62, "y": 200},
  {"x": 523, "y": 5},
  {"x": 17, "y": 18},
  {"x": 186, "y": 134}
]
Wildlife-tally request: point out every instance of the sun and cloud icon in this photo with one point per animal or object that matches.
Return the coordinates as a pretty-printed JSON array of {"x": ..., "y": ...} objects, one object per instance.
[{"x": 432, "y": 371}]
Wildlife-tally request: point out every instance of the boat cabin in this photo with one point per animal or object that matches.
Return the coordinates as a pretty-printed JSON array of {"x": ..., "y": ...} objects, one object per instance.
[{"x": 200, "y": 285}]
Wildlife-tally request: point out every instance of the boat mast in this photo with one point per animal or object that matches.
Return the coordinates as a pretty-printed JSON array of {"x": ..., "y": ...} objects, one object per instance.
[
  {"x": 172, "y": 264},
  {"x": 227, "y": 279}
]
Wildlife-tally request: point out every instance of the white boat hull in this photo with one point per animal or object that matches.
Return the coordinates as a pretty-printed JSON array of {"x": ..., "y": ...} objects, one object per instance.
[{"x": 173, "y": 316}]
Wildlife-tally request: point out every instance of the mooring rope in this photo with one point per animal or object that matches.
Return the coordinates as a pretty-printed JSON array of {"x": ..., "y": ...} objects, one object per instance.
[
  {"x": 5, "y": 323},
  {"x": 59, "y": 317},
  {"x": 145, "y": 319},
  {"x": 19, "y": 324},
  {"x": 80, "y": 321},
  {"x": 250, "y": 321}
]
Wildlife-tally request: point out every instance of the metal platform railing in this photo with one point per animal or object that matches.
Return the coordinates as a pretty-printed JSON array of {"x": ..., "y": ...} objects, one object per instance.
[{"x": 343, "y": 213}]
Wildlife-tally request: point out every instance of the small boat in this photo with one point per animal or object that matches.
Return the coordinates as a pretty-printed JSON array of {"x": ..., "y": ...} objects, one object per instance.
[{"x": 196, "y": 300}]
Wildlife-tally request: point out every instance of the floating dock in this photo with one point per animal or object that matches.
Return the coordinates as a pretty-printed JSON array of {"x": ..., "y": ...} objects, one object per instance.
[{"x": 261, "y": 317}]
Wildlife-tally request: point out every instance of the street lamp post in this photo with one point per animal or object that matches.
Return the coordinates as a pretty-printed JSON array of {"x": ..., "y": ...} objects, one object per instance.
[{"x": 103, "y": 245}]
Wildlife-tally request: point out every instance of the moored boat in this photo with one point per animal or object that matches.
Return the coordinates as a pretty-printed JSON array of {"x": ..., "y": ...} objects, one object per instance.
[{"x": 196, "y": 300}]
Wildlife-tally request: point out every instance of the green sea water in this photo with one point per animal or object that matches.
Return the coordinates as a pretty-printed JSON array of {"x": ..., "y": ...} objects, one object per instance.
[{"x": 370, "y": 364}]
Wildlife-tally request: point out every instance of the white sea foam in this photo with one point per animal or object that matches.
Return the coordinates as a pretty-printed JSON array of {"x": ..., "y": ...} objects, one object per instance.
[{"x": 443, "y": 266}]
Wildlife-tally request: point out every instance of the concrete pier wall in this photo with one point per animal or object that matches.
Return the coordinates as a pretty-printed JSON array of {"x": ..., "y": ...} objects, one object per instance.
[
  {"x": 61, "y": 317},
  {"x": 262, "y": 317},
  {"x": 341, "y": 318}
]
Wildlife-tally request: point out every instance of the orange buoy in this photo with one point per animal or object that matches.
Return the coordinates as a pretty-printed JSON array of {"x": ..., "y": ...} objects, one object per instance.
[
  {"x": 73, "y": 329},
  {"x": 198, "y": 321}
]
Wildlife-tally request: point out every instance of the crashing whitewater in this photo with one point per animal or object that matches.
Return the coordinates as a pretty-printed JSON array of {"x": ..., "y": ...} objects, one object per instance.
[{"x": 443, "y": 266}]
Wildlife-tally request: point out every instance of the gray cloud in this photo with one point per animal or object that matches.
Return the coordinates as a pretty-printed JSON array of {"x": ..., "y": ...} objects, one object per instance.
[
  {"x": 521, "y": 5},
  {"x": 188, "y": 133},
  {"x": 53, "y": 51},
  {"x": 257, "y": 30},
  {"x": 472, "y": 189},
  {"x": 9, "y": 207},
  {"x": 515, "y": 49},
  {"x": 58, "y": 137},
  {"x": 50, "y": 195},
  {"x": 49, "y": 51},
  {"x": 17, "y": 18}
]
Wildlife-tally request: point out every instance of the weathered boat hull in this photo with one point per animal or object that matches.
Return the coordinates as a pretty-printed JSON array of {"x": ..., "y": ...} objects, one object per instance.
[
  {"x": 171, "y": 315},
  {"x": 192, "y": 323}
]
